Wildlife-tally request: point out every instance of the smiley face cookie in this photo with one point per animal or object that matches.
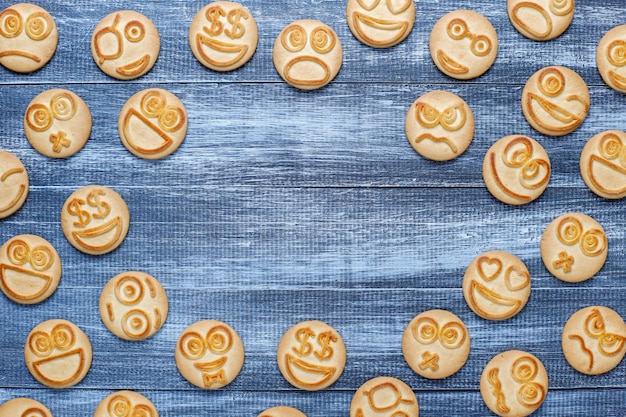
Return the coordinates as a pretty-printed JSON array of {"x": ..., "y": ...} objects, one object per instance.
[
  {"x": 574, "y": 247},
  {"x": 282, "y": 411},
  {"x": 496, "y": 285},
  {"x": 125, "y": 45},
  {"x": 24, "y": 407},
  {"x": 516, "y": 169},
  {"x": 439, "y": 125},
  {"x": 95, "y": 220},
  {"x": 381, "y": 23},
  {"x": 603, "y": 164},
  {"x": 126, "y": 404},
  {"x": 555, "y": 101},
  {"x": 514, "y": 383},
  {"x": 58, "y": 354},
  {"x": 13, "y": 184},
  {"x": 209, "y": 354},
  {"x": 307, "y": 54},
  {"x": 153, "y": 123},
  {"x": 463, "y": 44},
  {"x": 594, "y": 340},
  {"x": 541, "y": 20},
  {"x": 384, "y": 397},
  {"x": 28, "y": 37},
  {"x": 611, "y": 58}
]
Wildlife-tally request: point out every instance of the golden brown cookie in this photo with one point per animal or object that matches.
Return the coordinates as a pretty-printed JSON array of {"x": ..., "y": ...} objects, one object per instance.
[
  {"x": 541, "y": 20},
  {"x": 611, "y": 58},
  {"x": 574, "y": 247},
  {"x": 30, "y": 269},
  {"x": 153, "y": 123},
  {"x": 603, "y": 164},
  {"x": 463, "y": 44},
  {"x": 13, "y": 184},
  {"x": 555, "y": 101},
  {"x": 516, "y": 169},
  {"x": 594, "y": 340},
  {"x": 496, "y": 285},
  {"x": 126, "y": 404},
  {"x": 209, "y": 354},
  {"x": 125, "y": 45},
  {"x": 24, "y": 407},
  {"x": 307, "y": 54},
  {"x": 133, "y": 305},
  {"x": 95, "y": 219},
  {"x": 514, "y": 383},
  {"x": 57, "y": 123},
  {"x": 58, "y": 354},
  {"x": 223, "y": 35},
  {"x": 384, "y": 396},
  {"x": 439, "y": 125},
  {"x": 436, "y": 344},
  {"x": 380, "y": 23},
  {"x": 311, "y": 355},
  {"x": 28, "y": 37},
  {"x": 282, "y": 412}
]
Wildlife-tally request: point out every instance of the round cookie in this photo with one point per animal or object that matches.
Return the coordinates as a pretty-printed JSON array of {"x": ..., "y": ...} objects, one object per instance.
[
  {"x": 95, "y": 219},
  {"x": 126, "y": 404},
  {"x": 594, "y": 340},
  {"x": 13, "y": 184},
  {"x": 611, "y": 58},
  {"x": 439, "y": 125},
  {"x": 133, "y": 305},
  {"x": 28, "y": 37},
  {"x": 496, "y": 285},
  {"x": 223, "y": 36},
  {"x": 380, "y": 24},
  {"x": 516, "y": 169},
  {"x": 555, "y": 101},
  {"x": 307, "y": 54},
  {"x": 58, "y": 354},
  {"x": 603, "y": 164},
  {"x": 125, "y": 45},
  {"x": 24, "y": 407},
  {"x": 153, "y": 123},
  {"x": 57, "y": 123},
  {"x": 463, "y": 44},
  {"x": 30, "y": 269},
  {"x": 574, "y": 247},
  {"x": 282, "y": 411},
  {"x": 387, "y": 394},
  {"x": 311, "y": 355},
  {"x": 436, "y": 344},
  {"x": 209, "y": 354},
  {"x": 514, "y": 383},
  {"x": 541, "y": 20}
]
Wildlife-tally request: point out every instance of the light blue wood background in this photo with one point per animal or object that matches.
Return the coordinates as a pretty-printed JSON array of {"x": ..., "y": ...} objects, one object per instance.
[{"x": 283, "y": 206}]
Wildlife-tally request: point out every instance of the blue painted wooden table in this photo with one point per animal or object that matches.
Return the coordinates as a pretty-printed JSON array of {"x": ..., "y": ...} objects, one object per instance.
[{"x": 283, "y": 206}]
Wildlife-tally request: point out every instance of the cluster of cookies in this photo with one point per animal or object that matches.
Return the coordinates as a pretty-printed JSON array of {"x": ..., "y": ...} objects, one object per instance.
[{"x": 439, "y": 125}]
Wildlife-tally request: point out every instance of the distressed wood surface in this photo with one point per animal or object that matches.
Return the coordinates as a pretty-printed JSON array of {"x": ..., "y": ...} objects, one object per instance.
[{"x": 283, "y": 206}]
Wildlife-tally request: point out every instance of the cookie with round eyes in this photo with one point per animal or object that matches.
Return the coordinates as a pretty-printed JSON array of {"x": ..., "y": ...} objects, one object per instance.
[
  {"x": 24, "y": 407},
  {"x": 282, "y": 411},
  {"x": 57, "y": 123},
  {"x": 603, "y": 164},
  {"x": 125, "y": 45},
  {"x": 594, "y": 340},
  {"x": 514, "y": 383},
  {"x": 384, "y": 396},
  {"x": 516, "y": 169},
  {"x": 611, "y": 58},
  {"x": 58, "y": 354},
  {"x": 28, "y": 37},
  {"x": 126, "y": 404},
  {"x": 209, "y": 354},
  {"x": 463, "y": 44},
  {"x": 307, "y": 54},
  {"x": 380, "y": 23},
  {"x": 223, "y": 36},
  {"x": 496, "y": 285},
  {"x": 436, "y": 344},
  {"x": 541, "y": 20},
  {"x": 153, "y": 123},
  {"x": 555, "y": 101},
  {"x": 13, "y": 184},
  {"x": 574, "y": 247},
  {"x": 439, "y": 125}
]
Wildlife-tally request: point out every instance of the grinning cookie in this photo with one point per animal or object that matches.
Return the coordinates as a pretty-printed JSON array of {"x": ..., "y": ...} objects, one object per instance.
[
  {"x": 541, "y": 20},
  {"x": 24, "y": 407},
  {"x": 611, "y": 58},
  {"x": 126, "y": 404},
  {"x": 384, "y": 396},
  {"x": 13, "y": 184},
  {"x": 603, "y": 164},
  {"x": 282, "y": 412},
  {"x": 380, "y": 24},
  {"x": 594, "y": 340}
]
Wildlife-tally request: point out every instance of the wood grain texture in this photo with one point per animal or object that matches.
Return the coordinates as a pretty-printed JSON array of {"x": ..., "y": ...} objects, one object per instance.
[{"x": 283, "y": 206}]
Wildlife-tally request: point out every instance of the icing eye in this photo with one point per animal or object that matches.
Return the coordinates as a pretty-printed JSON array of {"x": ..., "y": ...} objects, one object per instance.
[
  {"x": 38, "y": 26},
  {"x": 531, "y": 394},
  {"x": 39, "y": 117},
  {"x": 457, "y": 29},
  {"x": 452, "y": 335},
  {"x": 617, "y": 53},
  {"x": 569, "y": 231},
  {"x": 142, "y": 411},
  {"x": 11, "y": 23},
  {"x": 192, "y": 345},
  {"x": 41, "y": 258},
  {"x": 153, "y": 103},
  {"x": 63, "y": 337},
  {"x": 426, "y": 115},
  {"x": 593, "y": 242},
  {"x": 426, "y": 330},
  {"x": 517, "y": 152},
  {"x": 322, "y": 40},
  {"x": 594, "y": 325},
  {"x": 41, "y": 344},
  {"x": 551, "y": 82},
  {"x": 610, "y": 146},
  {"x": 481, "y": 45},
  {"x": 524, "y": 369},
  {"x": 611, "y": 344},
  {"x": 136, "y": 324},
  {"x": 172, "y": 119},
  {"x": 453, "y": 118},
  {"x": 18, "y": 252},
  {"x": 129, "y": 290},
  {"x": 134, "y": 31},
  {"x": 63, "y": 106},
  {"x": 561, "y": 7},
  {"x": 119, "y": 407},
  {"x": 294, "y": 38},
  {"x": 219, "y": 340}
]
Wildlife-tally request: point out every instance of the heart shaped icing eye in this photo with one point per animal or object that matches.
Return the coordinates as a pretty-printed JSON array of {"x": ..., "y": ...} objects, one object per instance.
[
  {"x": 489, "y": 268},
  {"x": 368, "y": 4},
  {"x": 516, "y": 280},
  {"x": 398, "y": 6}
]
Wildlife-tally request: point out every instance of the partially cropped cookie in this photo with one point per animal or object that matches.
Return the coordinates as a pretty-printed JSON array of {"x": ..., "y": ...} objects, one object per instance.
[
  {"x": 380, "y": 24},
  {"x": 611, "y": 58},
  {"x": 384, "y": 396},
  {"x": 126, "y": 404},
  {"x": 541, "y": 20},
  {"x": 14, "y": 184},
  {"x": 603, "y": 164},
  {"x": 282, "y": 411},
  {"x": 24, "y": 407}
]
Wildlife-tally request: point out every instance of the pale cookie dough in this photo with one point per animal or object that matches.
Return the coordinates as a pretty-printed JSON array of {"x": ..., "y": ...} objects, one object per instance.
[
  {"x": 282, "y": 411},
  {"x": 380, "y": 23}
]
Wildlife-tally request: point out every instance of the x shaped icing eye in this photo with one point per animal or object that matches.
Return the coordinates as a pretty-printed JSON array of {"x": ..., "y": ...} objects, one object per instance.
[{"x": 294, "y": 38}]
